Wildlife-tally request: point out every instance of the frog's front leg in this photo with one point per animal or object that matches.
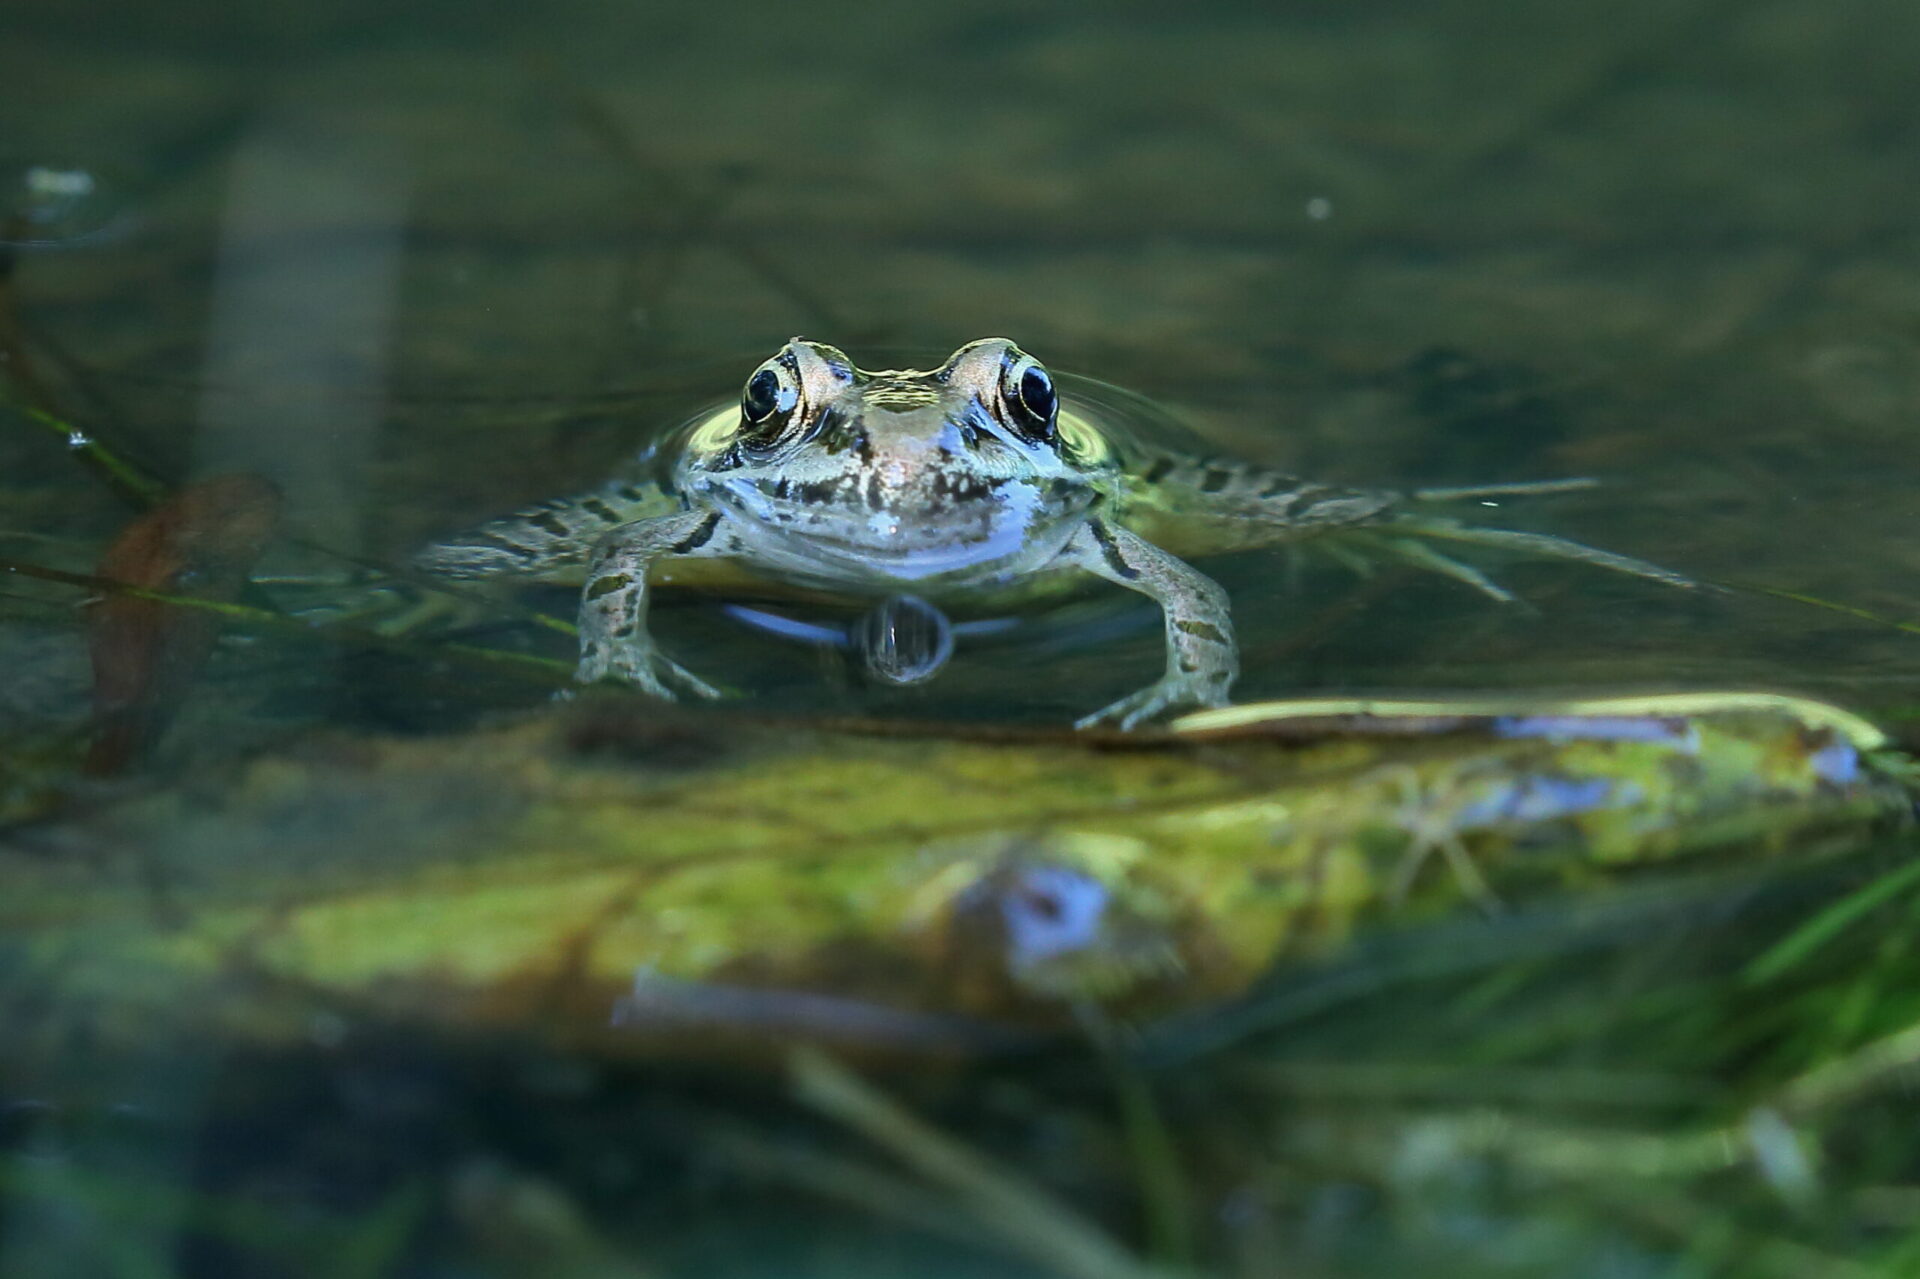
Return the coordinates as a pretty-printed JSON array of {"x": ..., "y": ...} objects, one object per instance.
[
  {"x": 1202, "y": 661},
  {"x": 613, "y": 603}
]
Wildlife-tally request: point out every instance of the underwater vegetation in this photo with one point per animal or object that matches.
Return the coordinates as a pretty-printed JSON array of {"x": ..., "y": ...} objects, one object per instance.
[{"x": 1559, "y": 926}]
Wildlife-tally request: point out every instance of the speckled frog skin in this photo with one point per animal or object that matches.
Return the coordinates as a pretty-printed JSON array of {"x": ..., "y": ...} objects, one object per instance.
[{"x": 977, "y": 477}]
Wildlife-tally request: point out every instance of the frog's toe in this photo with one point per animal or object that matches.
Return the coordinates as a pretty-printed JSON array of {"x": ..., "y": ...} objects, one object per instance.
[
  {"x": 1129, "y": 712},
  {"x": 646, "y": 669},
  {"x": 1151, "y": 702},
  {"x": 671, "y": 672},
  {"x": 640, "y": 676}
]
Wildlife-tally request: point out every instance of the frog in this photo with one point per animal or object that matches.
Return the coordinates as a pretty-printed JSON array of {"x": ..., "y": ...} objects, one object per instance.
[{"x": 984, "y": 477}]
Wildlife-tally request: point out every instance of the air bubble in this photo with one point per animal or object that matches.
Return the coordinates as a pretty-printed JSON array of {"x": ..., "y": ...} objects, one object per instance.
[{"x": 903, "y": 640}]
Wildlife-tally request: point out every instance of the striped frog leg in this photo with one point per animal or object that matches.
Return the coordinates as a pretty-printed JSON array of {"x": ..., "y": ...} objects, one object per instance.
[
  {"x": 1202, "y": 660},
  {"x": 549, "y": 540},
  {"x": 1198, "y": 506},
  {"x": 613, "y": 603},
  {"x": 1201, "y": 506}
]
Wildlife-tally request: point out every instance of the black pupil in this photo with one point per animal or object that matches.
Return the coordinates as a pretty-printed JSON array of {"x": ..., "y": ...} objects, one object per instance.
[
  {"x": 762, "y": 396},
  {"x": 1036, "y": 392}
]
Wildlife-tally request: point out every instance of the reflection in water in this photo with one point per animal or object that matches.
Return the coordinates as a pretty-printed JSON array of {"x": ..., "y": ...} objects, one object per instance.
[
  {"x": 902, "y": 640},
  {"x": 303, "y": 301},
  {"x": 417, "y": 268}
]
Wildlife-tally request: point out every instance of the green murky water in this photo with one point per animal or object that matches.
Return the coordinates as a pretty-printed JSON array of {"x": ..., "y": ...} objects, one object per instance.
[{"x": 421, "y": 266}]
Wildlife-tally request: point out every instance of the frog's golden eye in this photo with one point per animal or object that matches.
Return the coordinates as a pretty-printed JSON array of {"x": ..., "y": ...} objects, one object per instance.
[
  {"x": 770, "y": 395},
  {"x": 1027, "y": 391}
]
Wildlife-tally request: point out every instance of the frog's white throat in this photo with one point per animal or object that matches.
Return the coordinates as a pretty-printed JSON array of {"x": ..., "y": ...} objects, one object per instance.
[{"x": 841, "y": 543}]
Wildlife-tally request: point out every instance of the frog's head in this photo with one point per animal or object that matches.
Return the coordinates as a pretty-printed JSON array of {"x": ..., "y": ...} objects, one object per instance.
[{"x": 909, "y": 473}]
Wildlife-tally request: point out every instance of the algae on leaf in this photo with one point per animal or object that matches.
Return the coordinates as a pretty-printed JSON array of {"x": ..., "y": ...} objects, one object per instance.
[{"x": 885, "y": 889}]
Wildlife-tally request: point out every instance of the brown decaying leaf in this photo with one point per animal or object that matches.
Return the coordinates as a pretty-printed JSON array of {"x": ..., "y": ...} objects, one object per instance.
[{"x": 200, "y": 544}]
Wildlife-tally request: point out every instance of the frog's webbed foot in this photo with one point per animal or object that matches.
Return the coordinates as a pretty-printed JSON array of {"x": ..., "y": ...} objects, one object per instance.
[
  {"x": 1432, "y": 825},
  {"x": 1423, "y": 556},
  {"x": 644, "y": 667},
  {"x": 1176, "y": 691},
  {"x": 1202, "y": 659},
  {"x": 1409, "y": 538},
  {"x": 1421, "y": 847},
  {"x": 1443, "y": 529},
  {"x": 614, "y": 643}
]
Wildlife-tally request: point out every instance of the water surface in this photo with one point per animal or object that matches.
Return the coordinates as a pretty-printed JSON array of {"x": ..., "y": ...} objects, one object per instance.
[{"x": 420, "y": 264}]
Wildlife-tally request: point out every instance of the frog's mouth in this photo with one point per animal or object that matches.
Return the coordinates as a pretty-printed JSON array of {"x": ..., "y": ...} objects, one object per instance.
[
  {"x": 890, "y": 551},
  {"x": 915, "y": 563},
  {"x": 848, "y": 541}
]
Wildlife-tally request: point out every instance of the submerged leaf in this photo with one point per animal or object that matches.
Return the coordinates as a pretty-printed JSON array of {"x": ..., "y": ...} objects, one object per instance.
[
  {"x": 198, "y": 545},
  {"x": 912, "y": 893}
]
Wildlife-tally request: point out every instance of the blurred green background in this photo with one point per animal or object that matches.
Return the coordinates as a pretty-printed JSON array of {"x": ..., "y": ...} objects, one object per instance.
[{"x": 423, "y": 262}]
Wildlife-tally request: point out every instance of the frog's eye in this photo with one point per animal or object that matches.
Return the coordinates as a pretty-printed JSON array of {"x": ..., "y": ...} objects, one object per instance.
[
  {"x": 770, "y": 394},
  {"x": 1030, "y": 398},
  {"x": 761, "y": 397}
]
